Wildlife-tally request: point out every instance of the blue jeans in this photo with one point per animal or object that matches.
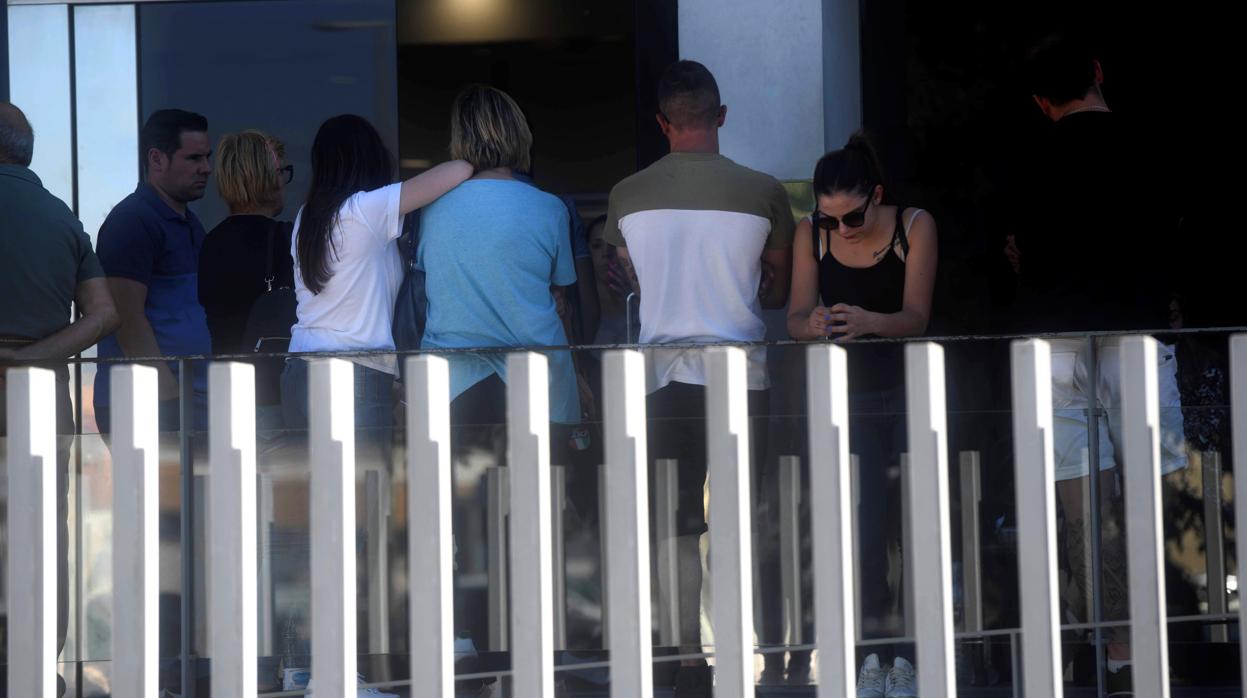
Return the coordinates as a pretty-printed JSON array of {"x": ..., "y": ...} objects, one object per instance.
[{"x": 374, "y": 405}]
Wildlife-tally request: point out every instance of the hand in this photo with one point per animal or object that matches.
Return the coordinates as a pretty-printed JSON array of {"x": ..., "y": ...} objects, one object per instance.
[
  {"x": 850, "y": 321},
  {"x": 768, "y": 277},
  {"x": 818, "y": 324},
  {"x": 617, "y": 278}
]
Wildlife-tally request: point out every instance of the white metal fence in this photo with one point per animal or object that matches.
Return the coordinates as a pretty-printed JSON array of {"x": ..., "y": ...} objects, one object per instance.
[{"x": 232, "y": 522}]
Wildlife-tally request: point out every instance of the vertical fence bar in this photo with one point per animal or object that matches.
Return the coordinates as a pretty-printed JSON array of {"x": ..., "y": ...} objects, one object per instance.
[
  {"x": 429, "y": 542},
  {"x": 604, "y": 546},
  {"x": 1214, "y": 544},
  {"x": 855, "y": 465},
  {"x": 627, "y": 522},
  {"x": 186, "y": 522},
  {"x": 136, "y": 564},
  {"x": 232, "y": 517},
  {"x": 1144, "y": 538},
  {"x": 528, "y": 456},
  {"x": 31, "y": 406},
  {"x": 377, "y": 517},
  {"x": 666, "y": 495},
  {"x": 497, "y": 510},
  {"x": 1238, "y": 410},
  {"x": 558, "y": 551},
  {"x": 971, "y": 554},
  {"x": 731, "y": 567},
  {"x": 931, "y": 601},
  {"x": 831, "y": 520},
  {"x": 1036, "y": 512},
  {"x": 790, "y": 486},
  {"x": 264, "y": 540},
  {"x": 332, "y": 449}
]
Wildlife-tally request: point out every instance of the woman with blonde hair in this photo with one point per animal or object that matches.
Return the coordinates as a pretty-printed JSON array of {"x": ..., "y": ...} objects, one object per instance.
[
  {"x": 248, "y": 254},
  {"x": 497, "y": 257}
]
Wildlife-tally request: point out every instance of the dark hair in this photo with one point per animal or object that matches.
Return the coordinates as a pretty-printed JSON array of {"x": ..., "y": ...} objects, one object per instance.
[
  {"x": 163, "y": 131},
  {"x": 1061, "y": 68},
  {"x": 688, "y": 95},
  {"x": 348, "y": 156},
  {"x": 17, "y": 138},
  {"x": 854, "y": 168}
]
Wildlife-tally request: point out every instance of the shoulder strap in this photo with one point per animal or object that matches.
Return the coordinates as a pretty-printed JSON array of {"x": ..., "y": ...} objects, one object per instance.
[
  {"x": 413, "y": 238},
  {"x": 901, "y": 234},
  {"x": 269, "y": 278}
]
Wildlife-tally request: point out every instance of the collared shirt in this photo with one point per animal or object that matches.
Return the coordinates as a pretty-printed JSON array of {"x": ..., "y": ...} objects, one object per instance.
[
  {"x": 145, "y": 240},
  {"x": 44, "y": 255}
]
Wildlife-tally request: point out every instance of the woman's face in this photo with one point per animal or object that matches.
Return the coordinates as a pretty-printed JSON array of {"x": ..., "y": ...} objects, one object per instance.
[{"x": 850, "y": 215}]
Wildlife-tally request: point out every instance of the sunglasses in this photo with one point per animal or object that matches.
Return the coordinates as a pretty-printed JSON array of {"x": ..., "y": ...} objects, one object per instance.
[
  {"x": 852, "y": 219},
  {"x": 287, "y": 173}
]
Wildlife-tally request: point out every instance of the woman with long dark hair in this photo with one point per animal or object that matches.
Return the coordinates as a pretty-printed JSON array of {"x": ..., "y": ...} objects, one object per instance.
[
  {"x": 347, "y": 267},
  {"x": 863, "y": 269}
]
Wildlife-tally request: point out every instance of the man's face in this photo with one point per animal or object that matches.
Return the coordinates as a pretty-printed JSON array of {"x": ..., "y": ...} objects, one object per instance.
[{"x": 184, "y": 175}]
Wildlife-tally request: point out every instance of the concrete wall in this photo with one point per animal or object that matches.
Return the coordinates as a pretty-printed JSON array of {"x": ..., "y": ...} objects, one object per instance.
[{"x": 789, "y": 74}]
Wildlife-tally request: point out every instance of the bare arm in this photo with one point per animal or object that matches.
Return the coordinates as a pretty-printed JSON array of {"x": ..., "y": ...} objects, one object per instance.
[
  {"x": 778, "y": 262},
  {"x": 135, "y": 333},
  {"x": 428, "y": 186},
  {"x": 807, "y": 318},
  {"x": 99, "y": 319}
]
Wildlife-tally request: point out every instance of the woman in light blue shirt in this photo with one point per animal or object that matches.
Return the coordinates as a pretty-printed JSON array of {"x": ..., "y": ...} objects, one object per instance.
[{"x": 496, "y": 254}]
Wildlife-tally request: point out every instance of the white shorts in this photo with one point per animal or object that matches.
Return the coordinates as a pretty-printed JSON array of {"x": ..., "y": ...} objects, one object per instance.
[{"x": 1070, "y": 394}]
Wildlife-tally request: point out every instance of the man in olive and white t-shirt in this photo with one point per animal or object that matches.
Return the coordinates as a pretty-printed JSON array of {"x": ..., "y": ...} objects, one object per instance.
[{"x": 708, "y": 244}]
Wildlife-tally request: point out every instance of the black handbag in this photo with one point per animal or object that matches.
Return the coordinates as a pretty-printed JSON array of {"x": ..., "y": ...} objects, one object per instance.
[
  {"x": 412, "y": 305},
  {"x": 269, "y": 324}
]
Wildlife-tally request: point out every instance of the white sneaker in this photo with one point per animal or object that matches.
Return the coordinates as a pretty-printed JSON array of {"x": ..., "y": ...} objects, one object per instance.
[
  {"x": 870, "y": 679},
  {"x": 901, "y": 680}
]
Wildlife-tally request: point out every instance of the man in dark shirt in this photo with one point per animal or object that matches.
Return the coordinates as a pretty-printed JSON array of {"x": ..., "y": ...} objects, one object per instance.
[
  {"x": 149, "y": 246},
  {"x": 46, "y": 264},
  {"x": 1092, "y": 224}
]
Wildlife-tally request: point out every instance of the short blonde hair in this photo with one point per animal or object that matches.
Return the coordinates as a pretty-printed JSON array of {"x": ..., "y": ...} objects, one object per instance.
[
  {"x": 247, "y": 169},
  {"x": 488, "y": 129}
]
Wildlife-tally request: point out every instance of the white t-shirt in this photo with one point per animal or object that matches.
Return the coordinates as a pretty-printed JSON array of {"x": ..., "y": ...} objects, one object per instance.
[{"x": 355, "y": 309}]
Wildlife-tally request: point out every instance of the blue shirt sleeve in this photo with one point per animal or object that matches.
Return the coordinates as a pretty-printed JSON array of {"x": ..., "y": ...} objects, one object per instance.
[
  {"x": 127, "y": 246},
  {"x": 564, "y": 267}
]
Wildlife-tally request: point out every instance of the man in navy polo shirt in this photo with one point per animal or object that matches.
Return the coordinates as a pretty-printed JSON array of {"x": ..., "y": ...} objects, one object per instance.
[{"x": 149, "y": 246}]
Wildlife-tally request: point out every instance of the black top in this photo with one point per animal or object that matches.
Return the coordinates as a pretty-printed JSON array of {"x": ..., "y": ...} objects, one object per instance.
[
  {"x": 44, "y": 255},
  {"x": 232, "y": 269},
  {"x": 879, "y": 288},
  {"x": 1093, "y": 217}
]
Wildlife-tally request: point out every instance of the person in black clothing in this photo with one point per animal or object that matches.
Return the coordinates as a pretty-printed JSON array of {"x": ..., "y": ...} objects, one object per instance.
[
  {"x": 1091, "y": 235},
  {"x": 861, "y": 270},
  {"x": 248, "y": 254}
]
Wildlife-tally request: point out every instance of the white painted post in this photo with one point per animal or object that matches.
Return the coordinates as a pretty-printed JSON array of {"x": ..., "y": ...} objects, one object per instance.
[
  {"x": 528, "y": 457},
  {"x": 666, "y": 504},
  {"x": 1238, "y": 409},
  {"x": 1140, "y": 398},
  {"x": 790, "y": 496},
  {"x": 558, "y": 554},
  {"x": 136, "y": 544},
  {"x": 731, "y": 565},
  {"x": 232, "y": 479},
  {"x": 831, "y": 520},
  {"x": 31, "y": 405},
  {"x": 331, "y": 434},
  {"x": 1036, "y": 511},
  {"x": 429, "y": 542},
  {"x": 627, "y": 525},
  {"x": 931, "y": 601}
]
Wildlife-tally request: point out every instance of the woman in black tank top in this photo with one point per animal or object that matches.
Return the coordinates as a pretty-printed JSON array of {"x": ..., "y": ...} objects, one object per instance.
[{"x": 863, "y": 270}]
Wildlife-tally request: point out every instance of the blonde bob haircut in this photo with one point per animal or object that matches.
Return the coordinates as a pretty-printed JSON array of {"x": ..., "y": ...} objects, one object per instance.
[
  {"x": 247, "y": 170},
  {"x": 488, "y": 129}
]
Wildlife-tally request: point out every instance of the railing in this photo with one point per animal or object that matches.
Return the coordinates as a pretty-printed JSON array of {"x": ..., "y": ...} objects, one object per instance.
[{"x": 534, "y": 610}]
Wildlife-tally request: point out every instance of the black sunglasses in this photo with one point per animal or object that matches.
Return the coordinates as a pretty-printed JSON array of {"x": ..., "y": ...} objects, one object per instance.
[
  {"x": 288, "y": 171},
  {"x": 852, "y": 219}
]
